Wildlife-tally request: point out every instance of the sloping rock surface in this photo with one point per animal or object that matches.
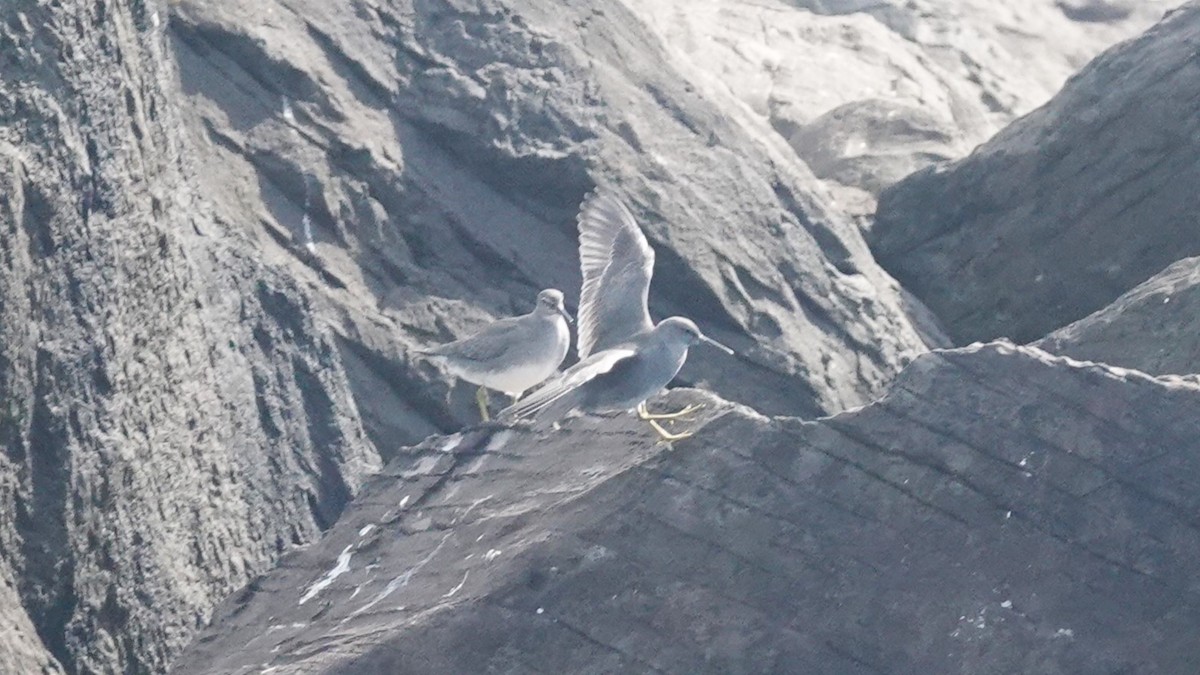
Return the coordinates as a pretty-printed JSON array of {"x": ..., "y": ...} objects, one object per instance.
[
  {"x": 1153, "y": 328},
  {"x": 1067, "y": 208},
  {"x": 866, "y": 91},
  {"x": 420, "y": 164},
  {"x": 223, "y": 224},
  {"x": 171, "y": 418},
  {"x": 999, "y": 511}
]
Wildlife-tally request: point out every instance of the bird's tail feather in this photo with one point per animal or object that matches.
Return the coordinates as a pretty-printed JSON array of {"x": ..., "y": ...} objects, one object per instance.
[{"x": 539, "y": 403}]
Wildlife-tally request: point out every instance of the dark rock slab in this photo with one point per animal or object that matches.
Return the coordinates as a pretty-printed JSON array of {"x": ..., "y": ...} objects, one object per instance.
[
  {"x": 998, "y": 511},
  {"x": 1152, "y": 328},
  {"x": 1067, "y": 208}
]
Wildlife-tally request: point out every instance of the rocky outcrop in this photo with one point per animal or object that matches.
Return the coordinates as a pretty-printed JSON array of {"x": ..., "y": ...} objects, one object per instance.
[
  {"x": 420, "y": 165},
  {"x": 868, "y": 91},
  {"x": 222, "y": 225},
  {"x": 1066, "y": 209},
  {"x": 1152, "y": 328},
  {"x": 171, "y": 417},
  {"x": 998, "y": 511},
  {"x": 21, "y": 649}
]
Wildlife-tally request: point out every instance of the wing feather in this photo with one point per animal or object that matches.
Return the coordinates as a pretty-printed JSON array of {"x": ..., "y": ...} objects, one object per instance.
[
  {"x": 567, "y": 382},
  {"x": 491, "y": 342},
  {"x": 617, "y": 263}
]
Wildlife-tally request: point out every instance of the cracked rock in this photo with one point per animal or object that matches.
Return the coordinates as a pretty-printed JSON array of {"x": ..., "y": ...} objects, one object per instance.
[{"x": 992, "y": 513}]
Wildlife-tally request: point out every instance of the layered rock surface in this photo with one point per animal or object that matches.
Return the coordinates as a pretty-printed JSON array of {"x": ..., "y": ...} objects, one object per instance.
[
  {"x": 869, "y": 91},
  {"x": 999, "y": 511},
  {"x": 1152, "y": 328},
  {"x": 206, "y": 300},
  {"x": 422, "y": 163},
  {"x": 171, "y": 418},
  {"x": 1067, "y": 208}
]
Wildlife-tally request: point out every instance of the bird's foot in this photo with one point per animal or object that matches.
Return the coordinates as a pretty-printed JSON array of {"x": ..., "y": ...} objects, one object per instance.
[
  {"x": 481, "y": 397},
  {"x": 667, "y": 436}
]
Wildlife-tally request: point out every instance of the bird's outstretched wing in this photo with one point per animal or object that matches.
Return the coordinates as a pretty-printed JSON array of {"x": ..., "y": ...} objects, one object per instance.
[
  {"x": 567, "y": 384},
  {"x": 617, "y": 264}
]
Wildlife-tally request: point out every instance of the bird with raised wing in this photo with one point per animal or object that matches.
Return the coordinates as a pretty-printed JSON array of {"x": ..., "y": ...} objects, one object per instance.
[
  {"x": 512, "y": 354},
  {"x": 624, "y": 357}
]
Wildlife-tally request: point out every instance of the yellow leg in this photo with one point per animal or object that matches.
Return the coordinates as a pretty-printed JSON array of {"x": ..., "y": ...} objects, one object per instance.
[
  {"x": 665, "y": 435},
  {"x": 645, "y": 414},
  {"x": 481, "y": 397}
]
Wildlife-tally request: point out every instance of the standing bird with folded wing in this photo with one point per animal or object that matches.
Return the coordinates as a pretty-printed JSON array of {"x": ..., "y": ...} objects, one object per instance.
[{"x": 511, "y": 354}]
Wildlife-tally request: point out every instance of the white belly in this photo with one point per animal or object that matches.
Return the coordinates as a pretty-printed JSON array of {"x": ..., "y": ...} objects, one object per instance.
[
  {"x": 516, "y": 380},
  {"x": 543, "y": 361}
]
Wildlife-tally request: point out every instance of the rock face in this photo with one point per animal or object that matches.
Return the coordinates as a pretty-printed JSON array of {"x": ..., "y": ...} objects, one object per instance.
[
  {"x": 1151, "y": 328},
  {"x": 223, "y": 224},
  {"x": 1066, "y": 209},
  {"x": 868, "y": 91},
  {"x": 171, "y": 417},
  {"x": 1000, "y": 526},
  {"x": 420, "y": 164}
]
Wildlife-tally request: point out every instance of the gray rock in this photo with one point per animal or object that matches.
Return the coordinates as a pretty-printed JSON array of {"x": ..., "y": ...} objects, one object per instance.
[
  {"x": 1152, "y": 328},
  {"x": 21, "y": 649},
  {"x": 874, "y": 143},
  {"x": 429, "y": 159},
  {"x": 968, "y": 66},
  {"x": 1066, "y": 209},
  {"x": 222, "y": 228},
  {"x": 172, "y": 418},
  {"x": 1097, "y": 11},
  {"x": 998, "y": 511}
]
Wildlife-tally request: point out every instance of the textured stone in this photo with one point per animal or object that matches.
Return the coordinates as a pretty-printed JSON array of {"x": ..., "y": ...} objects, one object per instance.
[
  {"x": 1152, "y": 328},
  {"x": 420, "y": 165},
  {"x": 1067, "y": 208},
  {"x": 998, "y": 511},
  {"x": 21, "y": 648},
  {"x": 171, "y": 417},
  {"x": 938, "y": 76},
  {"x": 223, "y": 224}
]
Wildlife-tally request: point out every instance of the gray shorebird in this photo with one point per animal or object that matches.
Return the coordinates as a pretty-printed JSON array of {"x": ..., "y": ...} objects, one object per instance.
[
  {"x": 510, "y": 355},
  {"x": 624, "y": 357}
]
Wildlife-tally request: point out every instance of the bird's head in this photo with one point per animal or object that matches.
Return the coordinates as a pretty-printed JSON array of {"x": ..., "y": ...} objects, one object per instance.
[
  {"x": 550, "y": 302},
  {"x": 686, "y": 331}
]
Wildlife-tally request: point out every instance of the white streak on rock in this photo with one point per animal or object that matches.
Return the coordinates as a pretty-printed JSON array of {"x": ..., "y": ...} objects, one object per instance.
[
  {"x": 458, "y": 588},
  {"x": 342, "y": 566}
]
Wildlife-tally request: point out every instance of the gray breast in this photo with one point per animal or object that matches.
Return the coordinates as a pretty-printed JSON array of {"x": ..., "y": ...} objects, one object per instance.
[{"x": 637, "y": 378}]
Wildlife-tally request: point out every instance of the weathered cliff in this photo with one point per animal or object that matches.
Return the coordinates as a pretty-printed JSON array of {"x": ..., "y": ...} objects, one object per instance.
[
  {"x": 222, "y": 225},
  {"x": 868, "y": 91},
  {"x": 171, "y": 418},
  {"x": 1067, "y": 208},
  {"x": 421, "y": 165}
]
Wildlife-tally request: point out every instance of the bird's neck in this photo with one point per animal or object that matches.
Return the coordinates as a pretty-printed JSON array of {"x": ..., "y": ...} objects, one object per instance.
[{"x": 673, "y": 349}]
